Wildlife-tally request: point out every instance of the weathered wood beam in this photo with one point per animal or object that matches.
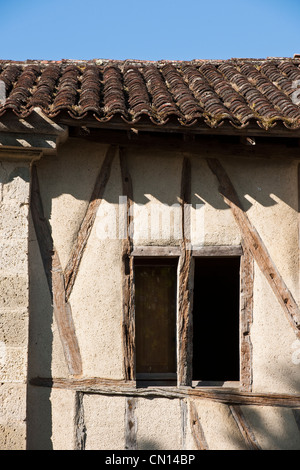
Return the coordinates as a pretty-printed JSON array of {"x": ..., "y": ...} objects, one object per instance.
[
  {"x": 246, "y": 319},
  {"x": 255, "y": 245},
  {"x": 84, "y": 232},
  {"x": 169, "y": 251},
  {"x": 196, "y": 429},
  {"x": 175, "y": 251},
  {"x": 130, "y": 424},
  {"x": 226, "y": 129},
  {"x": 63, "y": 315},
  {"x": 79, "y": 423},
  {"x": 184, "y": 333},
  {"x": 203, "y": 145},
  {"x": 128, "y": 325},
  {"x": 244, "y": 428},
  {"x": 44, "y": 143},
  {"x": 296, "y": 414},
  {"x": 20, "y": 154},
  {"x": 184, "y": 422},
  {"x": 36, "y": 123},
  {"x": 54, "y": 274},
  {"x": 129, "y": 389},
  {"x": 37, "y": 132},
  {"x": 85, "y": 385},
  {"x": 217, "y": 250}
]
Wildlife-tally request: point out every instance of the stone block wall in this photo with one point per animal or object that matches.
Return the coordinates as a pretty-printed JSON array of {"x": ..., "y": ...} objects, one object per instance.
[{"x": 14, "y": 302}]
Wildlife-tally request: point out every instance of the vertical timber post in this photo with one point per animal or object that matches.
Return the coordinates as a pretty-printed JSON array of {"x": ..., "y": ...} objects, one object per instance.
[
  {"x": 127, "y": 274},
  {"x": 184, "y": 335},
  {"x": 246, "y": 319}
]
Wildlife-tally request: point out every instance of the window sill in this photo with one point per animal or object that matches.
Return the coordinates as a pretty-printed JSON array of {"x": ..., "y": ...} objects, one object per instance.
[
  {"x": 212, "y": 384},
  {"x": 156, "y": 380},
  {"x": 170, "y": 380}
]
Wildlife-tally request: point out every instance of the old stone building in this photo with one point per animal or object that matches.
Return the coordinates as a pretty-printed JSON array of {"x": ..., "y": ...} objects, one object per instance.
[{"x": 149, "y": 266}]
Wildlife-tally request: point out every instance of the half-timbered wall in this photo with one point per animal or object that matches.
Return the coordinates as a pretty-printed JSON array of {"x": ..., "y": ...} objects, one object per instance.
[{"x": 91, "y": 209}]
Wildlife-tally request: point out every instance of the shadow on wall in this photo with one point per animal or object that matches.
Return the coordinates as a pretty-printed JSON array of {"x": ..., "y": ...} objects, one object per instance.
[
  {"x": 275, "y": 427},
  {"x": 262, "y": 180},
  {"x": 39, "y": 409},
  {"x": 147, "y": 444},
  {"x": 68, "y": 180}
]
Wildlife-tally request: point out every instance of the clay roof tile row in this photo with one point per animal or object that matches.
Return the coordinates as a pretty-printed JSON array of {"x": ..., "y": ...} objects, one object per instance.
[{"x": 239, "y": 91}]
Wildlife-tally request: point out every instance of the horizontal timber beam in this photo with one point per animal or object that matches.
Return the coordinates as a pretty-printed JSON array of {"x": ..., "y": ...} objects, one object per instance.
[
  {"x": 200, "y": 145},
  {"x": 174, "y": 251},
  {"x": 201, "y": 129},
  {"x": 217, "y": 250},
  {"x": 171, "y": 251},
  {"x": 129, "y": 389}
]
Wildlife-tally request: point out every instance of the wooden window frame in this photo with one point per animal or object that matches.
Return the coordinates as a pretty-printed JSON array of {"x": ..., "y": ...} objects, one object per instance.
[
  {"x": 159, "y": 378},
  {"x": 185, "y": 306}
]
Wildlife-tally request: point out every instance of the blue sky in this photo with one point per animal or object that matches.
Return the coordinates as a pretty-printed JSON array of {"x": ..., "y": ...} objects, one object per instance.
[{"x": 148, "y": 30}]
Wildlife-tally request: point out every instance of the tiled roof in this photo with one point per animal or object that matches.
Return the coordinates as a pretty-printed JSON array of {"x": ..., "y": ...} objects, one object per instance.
[{"x": 239, "y": 91}]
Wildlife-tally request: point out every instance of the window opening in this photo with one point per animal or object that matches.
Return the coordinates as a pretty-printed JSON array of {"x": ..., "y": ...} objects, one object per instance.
[
  {"x": 155, "y": 318},
  {"x": 216, "y": 355}
]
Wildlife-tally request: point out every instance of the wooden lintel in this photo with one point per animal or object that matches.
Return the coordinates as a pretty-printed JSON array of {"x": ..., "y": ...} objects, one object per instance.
[
  {"x": 255, "y": 245},
  {"x": 129, "y": 389},
  {"x": 217, "y": 250},
  {"x": 166, "y": 251},
  {"x": 198, "y": 251}
]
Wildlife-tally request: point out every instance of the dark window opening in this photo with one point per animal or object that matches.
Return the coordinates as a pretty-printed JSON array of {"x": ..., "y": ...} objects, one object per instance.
[
  {"x": 216, "y": 355},
  {"x": 155, "y": 318}
]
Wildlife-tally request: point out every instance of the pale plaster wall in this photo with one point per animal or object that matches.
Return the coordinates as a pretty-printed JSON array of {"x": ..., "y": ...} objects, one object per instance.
[
  {"x": 159, "y": 424},
  {"x": 217, "y": 225},
  {"x": 219, "y": 428},
  {"x": 50, "y": 422},
  {"x": 156, "y": 181},
  {"x": 105, "y": 423},
  {"x": 268, "y": 191},
  {"x": 274, "y": 428},
  {"x": 96, "y": 297},
  {"x": 272, "y": 338}
]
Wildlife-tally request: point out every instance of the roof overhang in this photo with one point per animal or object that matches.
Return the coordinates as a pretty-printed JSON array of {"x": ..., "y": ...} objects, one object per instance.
[{"x": 34, "y": 133}]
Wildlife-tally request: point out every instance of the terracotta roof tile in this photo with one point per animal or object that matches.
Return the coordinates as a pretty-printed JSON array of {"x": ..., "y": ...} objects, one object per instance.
[{"x": 239, "y": 91}]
